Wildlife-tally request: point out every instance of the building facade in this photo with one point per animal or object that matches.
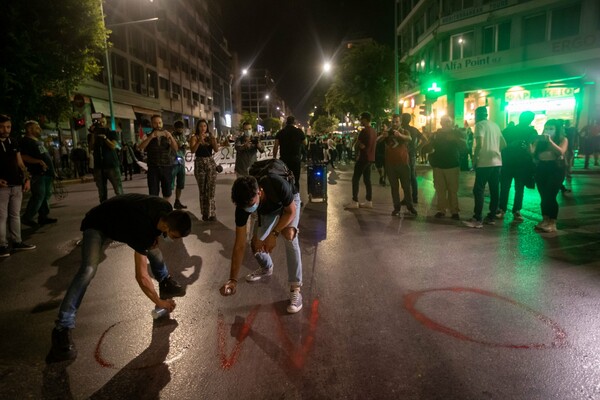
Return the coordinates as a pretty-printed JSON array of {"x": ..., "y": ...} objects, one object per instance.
[
  {"x": 509, "y": 55},
  {"x": 157, "y": 67}
]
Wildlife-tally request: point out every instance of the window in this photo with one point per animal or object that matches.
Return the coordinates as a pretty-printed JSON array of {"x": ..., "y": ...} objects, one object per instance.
[
  {"x": 149, "y": 50},
  {"x": 461, "y": 45},
  {"x": 420, "y": 27},
  {"x": 164, "y": 83},
  {"x": 194, "y": 74},
  {"x": 136, "y": 44},
  {"x": 138, "y": 81},
  {"x": 152, "y": 81},
  {"x": 175, "y": 88},
  {"x": 187, "y": 93},
  {"x": 195, "y": 96},
  {"x": 534, "y": 29},
  {"x": 432, "y": 14},
  {"x": 120, "y": 72},
  {"x": 118, "y": 37},
  {"x": 496, "y": 38},
  {"x": 162, "y": 53},
  {"x": 565, "y": 22},
  {"x": 174, "y": 62}
]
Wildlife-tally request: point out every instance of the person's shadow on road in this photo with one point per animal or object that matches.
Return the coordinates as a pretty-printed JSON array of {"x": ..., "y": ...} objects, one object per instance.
[{"x": 145, "y": 376}]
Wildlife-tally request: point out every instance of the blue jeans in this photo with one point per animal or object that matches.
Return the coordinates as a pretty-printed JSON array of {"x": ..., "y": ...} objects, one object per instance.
[
  {"x": 10, "y": 210},
  {"x": 92, "y": 247},
  {"x": 292, "y": 247},
  {"x": 39, "y": 202},
  {"x": 113, "y": 175},
  {"x": 491, "y": 177},
  {"x": 160, "y": 177}
]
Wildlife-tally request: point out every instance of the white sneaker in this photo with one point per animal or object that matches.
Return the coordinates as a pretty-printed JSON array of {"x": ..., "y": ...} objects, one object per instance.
[
  {"x": 549, "y": 227},
  {"x": 473, "y": 223},
  {"x": 366, "y": 204},
  {"x": 295, "y": 301},
  {"x": 542, "y": 224},
  {"x": 258, "y": 274},
  {"x": 351, "y": 205}
]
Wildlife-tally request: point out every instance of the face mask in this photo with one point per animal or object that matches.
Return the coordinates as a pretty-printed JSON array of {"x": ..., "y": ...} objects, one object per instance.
[
  {"x": 248, "y": 133},
  {"x": 549, "y": 131},
  {"x": 252, "y": 208}
]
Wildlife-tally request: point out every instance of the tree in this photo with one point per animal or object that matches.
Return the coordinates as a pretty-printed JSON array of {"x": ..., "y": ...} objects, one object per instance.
[
  {"x": 324, "y": 124},
  {"x": 364, "y": 81},
  {"x": 48, "y": 49},
  {"x": 248, "y": 117},
  {"x": 271, "y": 124}
]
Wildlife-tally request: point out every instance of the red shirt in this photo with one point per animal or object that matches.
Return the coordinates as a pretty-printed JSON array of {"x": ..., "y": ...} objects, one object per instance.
[
  {"x": 396, "y": 151},
  {"x": 368, "y": 137}
]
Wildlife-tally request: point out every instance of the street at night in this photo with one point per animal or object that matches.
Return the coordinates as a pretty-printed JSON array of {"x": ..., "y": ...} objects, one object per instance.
[{"x": 394, "y": 308}]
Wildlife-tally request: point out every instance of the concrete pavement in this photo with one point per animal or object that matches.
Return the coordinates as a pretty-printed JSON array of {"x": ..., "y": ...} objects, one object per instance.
[{"x": 394, "y": 308}]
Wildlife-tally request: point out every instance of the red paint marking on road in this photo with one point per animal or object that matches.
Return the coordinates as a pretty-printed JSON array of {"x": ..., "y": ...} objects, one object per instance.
[
  {"x": 410, "y": 300},
  {"x": 98, "y": 353},
  {"x": 298, "y": 354},
  {"x": 228, "y": 362}
]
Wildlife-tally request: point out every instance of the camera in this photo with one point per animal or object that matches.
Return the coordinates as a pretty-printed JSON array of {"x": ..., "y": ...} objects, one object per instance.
[{"x": 255, "y": 141}]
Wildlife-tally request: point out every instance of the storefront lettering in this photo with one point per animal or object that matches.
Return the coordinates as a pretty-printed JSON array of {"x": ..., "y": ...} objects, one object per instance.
[
  {"x": 558, "y": 92},
  {"x": 577, "y": 43},
  {"x": 474, "y": 62}
]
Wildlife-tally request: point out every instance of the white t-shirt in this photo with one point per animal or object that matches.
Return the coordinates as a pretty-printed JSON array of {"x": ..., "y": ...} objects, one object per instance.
[{"x": 491, "y": 141}]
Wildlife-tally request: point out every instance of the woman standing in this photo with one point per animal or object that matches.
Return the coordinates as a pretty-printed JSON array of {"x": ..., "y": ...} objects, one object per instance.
[
  {"x": 549, "y": 151},
  {"x": 202, "y": 144}
]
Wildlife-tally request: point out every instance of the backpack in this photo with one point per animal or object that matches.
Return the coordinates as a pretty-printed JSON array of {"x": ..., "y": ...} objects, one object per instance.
[{"x": 261, "y": 170}]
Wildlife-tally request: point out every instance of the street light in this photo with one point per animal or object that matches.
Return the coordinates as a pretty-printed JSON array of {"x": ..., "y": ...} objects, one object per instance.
[{"x": 327, "y": 67}]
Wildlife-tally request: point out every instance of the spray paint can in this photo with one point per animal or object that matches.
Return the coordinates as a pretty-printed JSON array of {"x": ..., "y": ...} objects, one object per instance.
[{"x": 159, "y": 312}]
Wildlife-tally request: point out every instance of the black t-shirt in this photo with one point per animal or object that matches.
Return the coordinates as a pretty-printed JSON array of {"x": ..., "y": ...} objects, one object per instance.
[
  {"x": 36, "y": 149},
  {"x": 290, "y": 144},
  {"x": 104, "y": 156},
  {"x": 9, "y": 169},
  {"x": 129, "y": 218},
  {"x": 415, "y": 135},
  {"x": 518, "y": 138},
  {"x": 279, "y": 193}
]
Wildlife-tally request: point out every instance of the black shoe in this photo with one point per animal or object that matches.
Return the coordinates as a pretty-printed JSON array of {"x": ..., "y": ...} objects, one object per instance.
[
  {"x": 178, "y": 205},
  {"x": 169, "y": 288},
  {"x": 30, "y": 222},
  {"x": 413, "y": 211},
  {"x": 46, "y": 221},
  {"x": 439, "y": 214},
  {"x": 212, "y": 219},
  {"x": 63, "y": 348},
  {"x": 22, "y": 246},
  {"x": 456, "y": 217},
  {"x": 395, "y": 213},
  {"x": 4, "y": 251}
]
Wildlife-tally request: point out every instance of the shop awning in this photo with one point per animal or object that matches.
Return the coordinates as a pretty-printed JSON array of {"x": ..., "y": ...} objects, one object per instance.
[
  {"x": 146, "y": 111},
  {"x": 120, "y": 110}
]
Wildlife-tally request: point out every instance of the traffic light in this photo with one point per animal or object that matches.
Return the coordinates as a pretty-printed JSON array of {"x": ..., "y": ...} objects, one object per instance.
[
  {"x": 78, "y": 122},
  {"x": 162, "y": 25}
]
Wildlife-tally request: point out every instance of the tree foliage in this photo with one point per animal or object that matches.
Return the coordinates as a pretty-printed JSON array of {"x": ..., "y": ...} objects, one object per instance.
[
  {"x": 364, "y": 81},
  {"x": 271, "y": 124},
  {"x": 325, "y": 124},
  {"x": 48, "y": 49},
  {"x": 248, "y": 117}
]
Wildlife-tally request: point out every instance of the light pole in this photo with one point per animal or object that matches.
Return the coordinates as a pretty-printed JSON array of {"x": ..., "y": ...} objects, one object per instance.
[{"x": 396, "y": 83}]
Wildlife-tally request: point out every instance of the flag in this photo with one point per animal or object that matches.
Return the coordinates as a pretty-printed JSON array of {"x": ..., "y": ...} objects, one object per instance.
[{"x": 141, "y": 132}]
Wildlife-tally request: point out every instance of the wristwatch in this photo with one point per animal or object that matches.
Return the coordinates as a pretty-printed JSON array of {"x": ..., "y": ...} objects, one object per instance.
[{"x": 275, "y": 232}]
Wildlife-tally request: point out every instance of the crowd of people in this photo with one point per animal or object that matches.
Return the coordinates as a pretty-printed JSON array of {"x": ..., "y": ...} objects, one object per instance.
[{"x": 268, "y": 191}]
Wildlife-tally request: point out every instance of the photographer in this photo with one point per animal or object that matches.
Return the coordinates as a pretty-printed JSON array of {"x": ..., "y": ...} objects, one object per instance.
[
  {"x": 246, "y": 148},
  {"x": 159, "y": 145},
  {"x": 104, "y": 145},
  {"x": 203, "y": 143}
]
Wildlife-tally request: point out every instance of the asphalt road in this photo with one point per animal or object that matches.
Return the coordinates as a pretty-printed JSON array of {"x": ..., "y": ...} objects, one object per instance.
[{"x": 394, "y": 308}]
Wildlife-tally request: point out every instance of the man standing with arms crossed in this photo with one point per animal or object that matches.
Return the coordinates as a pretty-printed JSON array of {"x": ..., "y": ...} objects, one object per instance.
[{"x": 487, "y": 161}]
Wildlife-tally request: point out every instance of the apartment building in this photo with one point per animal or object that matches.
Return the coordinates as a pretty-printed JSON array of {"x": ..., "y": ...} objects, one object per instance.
[
  {"x": 157, "y": 67},
  {"x": 508, "y": 55}
]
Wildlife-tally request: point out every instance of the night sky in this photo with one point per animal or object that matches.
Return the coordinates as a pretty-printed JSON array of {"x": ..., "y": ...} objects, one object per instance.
[{"x": 292, "y": 38}]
